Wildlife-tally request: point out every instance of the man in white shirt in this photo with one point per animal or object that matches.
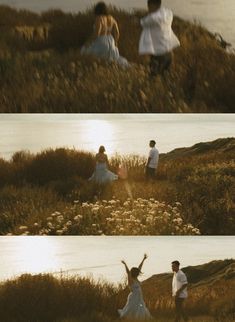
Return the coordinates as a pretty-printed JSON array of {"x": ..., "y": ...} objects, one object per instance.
[
  {"x": 152, "y": 162},
  {"x": 179, "y": 291},
  {"x": 157, "y": 38}
]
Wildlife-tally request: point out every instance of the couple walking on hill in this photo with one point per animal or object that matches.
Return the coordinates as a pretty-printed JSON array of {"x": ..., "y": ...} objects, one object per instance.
[
  {"x": 135, "y": 307},
  {"x": 102, "y": 175},
  {"x": 157, "y": 38}
]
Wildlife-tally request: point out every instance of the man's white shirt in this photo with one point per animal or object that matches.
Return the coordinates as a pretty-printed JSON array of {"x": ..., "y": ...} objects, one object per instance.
[
  {"x": 179, "y": 279},
  {"x": 157, "y": 37},
  {"x": 154, "y": 157}
]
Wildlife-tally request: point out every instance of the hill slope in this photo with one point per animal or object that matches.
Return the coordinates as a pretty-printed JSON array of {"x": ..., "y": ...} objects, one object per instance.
[
  {"x": 199, "y": 276},
  {"x": 201, "y": 178},
  {"x": 41, "y": 68},
  {"x": 47, "y": 299},
  {"x": 218, "y": 146},
  {"x": 211, "y": 289}
]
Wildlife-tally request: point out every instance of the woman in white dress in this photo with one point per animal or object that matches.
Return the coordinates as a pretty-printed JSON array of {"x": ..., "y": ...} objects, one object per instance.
[
  {"x": 103, "y": 44},
  {"x": 101, "y": 174},
  {"x": 135, "y": 307}
]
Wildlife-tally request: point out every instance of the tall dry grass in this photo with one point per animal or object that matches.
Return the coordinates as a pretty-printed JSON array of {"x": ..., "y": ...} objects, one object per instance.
[
  {"x": 35, "y": 186},
  {"x": 45, "y": 298},
  {"x": 50, "y": 75}
]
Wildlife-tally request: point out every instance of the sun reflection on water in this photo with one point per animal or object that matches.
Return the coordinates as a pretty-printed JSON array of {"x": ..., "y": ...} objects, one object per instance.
[
  {"x": 99, "y": 132},
  {"x": 35, "y": 255}
]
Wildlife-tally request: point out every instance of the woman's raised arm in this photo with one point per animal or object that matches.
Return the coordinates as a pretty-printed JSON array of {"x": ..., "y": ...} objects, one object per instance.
[
  {"x": 126, "y": 267},
  {"x": 141, "y": 264},
  {"x": 128, "y": 273}
]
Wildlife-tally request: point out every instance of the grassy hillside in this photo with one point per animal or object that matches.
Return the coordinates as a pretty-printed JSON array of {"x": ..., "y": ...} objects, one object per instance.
[
  {"x": 206, "y": 284},
  {"x": 49, "y": 193},
  {"x": 41, "y": 69},
  {"x": 47, "y": 299}
]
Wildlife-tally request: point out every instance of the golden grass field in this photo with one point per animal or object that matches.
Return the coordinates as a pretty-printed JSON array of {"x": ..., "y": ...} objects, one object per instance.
[
  {"x": 49, "y": 194},
  {"x": 43, "y": 298},
  {"x": 41, "y": 69}
]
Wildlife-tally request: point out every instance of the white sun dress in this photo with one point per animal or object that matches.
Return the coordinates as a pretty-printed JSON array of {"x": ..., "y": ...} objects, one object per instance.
[
  {"x": 102, "y": 175},
  {"x": 135, "y": 307}
]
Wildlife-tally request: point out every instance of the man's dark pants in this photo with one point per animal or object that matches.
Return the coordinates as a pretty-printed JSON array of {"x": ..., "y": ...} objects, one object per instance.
[
  {"x": 160, "y": 64},
  {"x": 179, "y": 310},
  {"x": 150, "y": 173}
]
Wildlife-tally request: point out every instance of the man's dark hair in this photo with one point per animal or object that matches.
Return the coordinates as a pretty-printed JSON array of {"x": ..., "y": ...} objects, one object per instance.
[
  {"x": 155, "y": 2},
  {"x": 101, "y": 9},
  {"x": 176, "y": 263},
  {"x": 153, "y": 142}
]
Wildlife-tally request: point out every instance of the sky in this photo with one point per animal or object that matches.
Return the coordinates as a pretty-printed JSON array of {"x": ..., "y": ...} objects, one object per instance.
[{"x": 119, "y": 133}]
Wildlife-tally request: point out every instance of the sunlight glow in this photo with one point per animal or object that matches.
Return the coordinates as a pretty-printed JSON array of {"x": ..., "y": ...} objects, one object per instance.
[
  {"x": 35, "y": 255},
  {"x": 101, "y": 256},
  {"x": 99, "y": 132}
]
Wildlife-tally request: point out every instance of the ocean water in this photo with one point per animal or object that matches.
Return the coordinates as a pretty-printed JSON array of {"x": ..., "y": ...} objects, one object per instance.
[
  {"x": 216, "y": 15},
  {"x": 100, "y": 257},
  {"x": 122, "y": 134}
]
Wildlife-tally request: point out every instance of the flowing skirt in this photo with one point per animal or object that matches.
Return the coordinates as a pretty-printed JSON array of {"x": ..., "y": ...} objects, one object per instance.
[
  {"x": 104, "y": 47},
  {"x": 102, "y": 175},
  {"x": 135, "y": 308}
]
